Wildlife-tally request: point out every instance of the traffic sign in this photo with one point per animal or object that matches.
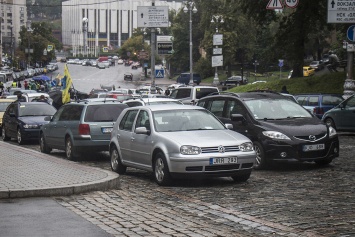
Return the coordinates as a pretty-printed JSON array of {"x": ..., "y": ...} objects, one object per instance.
[
  {"x": 217, "y": 51},
  {"x": 143, "y": 55},
  {"x": 159, "y": 73},
  {"x": 341, "y": 11},
  {"x": 165, "y": 48},
  {"x": 351, "y": 33},
  {"x": 217, "y": 61},
  {"x": 218, "y": 39},
  {"x": 49, "y": 47},
  {"x": 105, "y": 49},
  {"x": 274, "y": 4},
  {"x": 281, "y": 62},
  {"x": 291, "y": 3},
  {"x": 153, "y": 16}
]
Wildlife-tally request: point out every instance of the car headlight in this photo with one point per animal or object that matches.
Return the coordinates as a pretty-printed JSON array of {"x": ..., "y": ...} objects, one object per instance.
[
  {"x": 31, "y": 126},
  {"x": 276, "y": 135},
  {"x": 248, "y": 146},
  {"x": 332, "y": 131},
  {"x": 190, "y": 150}
]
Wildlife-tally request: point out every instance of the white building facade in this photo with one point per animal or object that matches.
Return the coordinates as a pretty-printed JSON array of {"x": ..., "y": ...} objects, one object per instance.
[
  {"x": 108, "y": 24},
  {"x": 13, "y": 17}
]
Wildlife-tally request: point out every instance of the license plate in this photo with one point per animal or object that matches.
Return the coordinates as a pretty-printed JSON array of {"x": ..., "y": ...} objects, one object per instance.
[
  {"x": 106, "y": 130},
  {"x": 224, "y": 160},
  {"x": 315, "y": 147}
]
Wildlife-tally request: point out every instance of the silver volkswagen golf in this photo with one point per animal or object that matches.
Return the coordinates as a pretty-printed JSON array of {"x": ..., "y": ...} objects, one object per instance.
[{"x": 179, "y": 141}]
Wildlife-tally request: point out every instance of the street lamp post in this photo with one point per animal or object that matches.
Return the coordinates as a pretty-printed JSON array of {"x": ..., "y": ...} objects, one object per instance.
[
  {"x": 12, "y": 47},
  {"x": 85, "y": 34},
  {"x": 218, "y": 41},
  {"x": 190, "y": 7},
  {"x": 29, "y": 30}
]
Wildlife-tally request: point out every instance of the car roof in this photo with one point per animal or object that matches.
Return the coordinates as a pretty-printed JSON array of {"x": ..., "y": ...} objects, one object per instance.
[
  {"x": 171, "y": 107},
  {"x": 260, "y": 94}
]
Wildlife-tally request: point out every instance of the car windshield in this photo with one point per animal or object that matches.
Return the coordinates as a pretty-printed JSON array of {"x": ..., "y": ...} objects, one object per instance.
[
  {"x": 276, "y": 109},
  {"x": 3, "y": 106},
  {"x": 42, "y": 109},
  {"x": 185, "y": 120}
]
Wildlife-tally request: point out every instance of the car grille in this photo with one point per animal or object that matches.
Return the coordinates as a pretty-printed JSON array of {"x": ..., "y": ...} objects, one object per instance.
[
  {"x": 210, "y": 168},
  {"x": 215, "y": 149},
  {"x": 307, "y": 138}
]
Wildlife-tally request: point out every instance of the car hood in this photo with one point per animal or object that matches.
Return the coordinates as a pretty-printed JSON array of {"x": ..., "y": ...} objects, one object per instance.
[
  {"x": 33, "y": 119},
  {"x": 206, "y": 138},
  {"x": 295, "y": 126}
]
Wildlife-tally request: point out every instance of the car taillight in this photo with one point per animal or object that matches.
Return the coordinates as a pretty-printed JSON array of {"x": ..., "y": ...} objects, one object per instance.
[
  {"x": 84, "y": 129},
  {"x": 318, "y": 110}
]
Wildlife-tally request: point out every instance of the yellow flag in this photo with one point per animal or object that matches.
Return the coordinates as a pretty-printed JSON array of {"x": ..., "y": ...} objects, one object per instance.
[{"x": 68, "y": 82}]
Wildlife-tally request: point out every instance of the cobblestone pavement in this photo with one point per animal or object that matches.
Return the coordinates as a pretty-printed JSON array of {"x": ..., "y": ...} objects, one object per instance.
[{"x": 287, "y": 200}]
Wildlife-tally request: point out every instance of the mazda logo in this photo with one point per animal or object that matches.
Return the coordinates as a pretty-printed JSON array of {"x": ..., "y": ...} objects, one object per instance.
[
  {"x": 221, "y": 149},
  {"x": 312, "y": 137}
]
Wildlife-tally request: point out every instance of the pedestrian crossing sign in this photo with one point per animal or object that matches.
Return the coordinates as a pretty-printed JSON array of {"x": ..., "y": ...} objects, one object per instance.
[
  {"x": 274, "y": 4},
  {"x": 159, "y": 73}
]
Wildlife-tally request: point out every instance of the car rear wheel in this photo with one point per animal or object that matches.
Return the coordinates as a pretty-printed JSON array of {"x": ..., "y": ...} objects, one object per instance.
[
  {"x": 43, "y": 145},
  {"x": 330, "y": 122},
  {"x": 4, "y": 135},
  {"x": 19, "y": 137},
  {"x": 260, "y": 162},
  {"x": 161, "y": 170},
  {"x": 69, "y": 149},
  {"x": 241, "y": 177},
  {"x": 116, "y": 164}
]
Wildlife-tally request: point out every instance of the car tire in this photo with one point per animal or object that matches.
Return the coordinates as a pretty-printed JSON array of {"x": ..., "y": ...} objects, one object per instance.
[
  {"x": 4, "y": 135},
  {"x": 116, "y": 164},
  {"x": 43, "y": 145},
  {"x": 19, "y": 137},
  {"x": 260, "y": 162},
  {"x": 241, "y": 177},
  {"x": 330, "y": 122},
  {"x": 161, "y": 170},
  {"x": 69, "y": 149}
]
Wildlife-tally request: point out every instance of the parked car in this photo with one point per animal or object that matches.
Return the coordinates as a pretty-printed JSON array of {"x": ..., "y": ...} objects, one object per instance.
[
  {"x": 22, "y": 120},
  {"x": 150, "y": 101},
  {"x": 119, "y": 61},
  {"x": 191, "y": 94},
  {"x": 318, "y": 103},
  {"x": 101, "y": 65},
  {"x": 235, "y": 81},
  {"x": 317, "y": 65},
  {"x": 179, "y": 141},
  {"x": 3, "y": 106},
  {"x": 280, "y": 129},
  {"x": 128, "y": 76},
  {"x": 308, "y": 71},
  {"x": 184, "y": 78},
  {"x": 80, "y": 127},
  {"x": 342, "y": 117}
]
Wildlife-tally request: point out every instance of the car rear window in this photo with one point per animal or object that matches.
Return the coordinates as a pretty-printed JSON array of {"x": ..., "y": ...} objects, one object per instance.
[
  {"x": 331, "y": 100},
  {"x": 103, "y": 112}
]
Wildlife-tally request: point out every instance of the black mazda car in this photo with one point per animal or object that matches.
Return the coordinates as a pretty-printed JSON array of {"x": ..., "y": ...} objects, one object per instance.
[{"x": 280, "y": 129}]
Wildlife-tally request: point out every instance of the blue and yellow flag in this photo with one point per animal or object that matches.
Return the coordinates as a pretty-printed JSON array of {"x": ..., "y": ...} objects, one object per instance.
[{"x": 68, "y": 82}]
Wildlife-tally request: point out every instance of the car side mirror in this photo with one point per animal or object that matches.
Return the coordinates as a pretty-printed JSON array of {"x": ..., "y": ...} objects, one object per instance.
[
  {"x": 237, "y": 117},
  {"x": 142, "y": 130}
]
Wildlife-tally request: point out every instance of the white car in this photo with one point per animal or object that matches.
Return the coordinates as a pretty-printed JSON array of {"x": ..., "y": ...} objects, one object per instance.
[{"x": 119, "y": 61}]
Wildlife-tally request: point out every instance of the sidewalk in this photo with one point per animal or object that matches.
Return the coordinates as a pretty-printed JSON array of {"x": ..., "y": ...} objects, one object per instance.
[{"x": 27, "y": 173}]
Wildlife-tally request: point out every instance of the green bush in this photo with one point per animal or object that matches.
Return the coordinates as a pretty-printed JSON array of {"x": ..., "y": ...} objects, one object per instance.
[{"x": 203, "y": 67}]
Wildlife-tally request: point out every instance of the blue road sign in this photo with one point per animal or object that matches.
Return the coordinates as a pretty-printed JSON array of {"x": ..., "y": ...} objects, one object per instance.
[
  {"x": 281, "y": 62},
  {"x": 351, "y": 33},
  {"x": 159, "y": 73}
]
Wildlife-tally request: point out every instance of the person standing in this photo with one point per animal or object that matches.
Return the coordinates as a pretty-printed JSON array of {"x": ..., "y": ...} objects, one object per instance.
[{"x": 26, "y": 85}]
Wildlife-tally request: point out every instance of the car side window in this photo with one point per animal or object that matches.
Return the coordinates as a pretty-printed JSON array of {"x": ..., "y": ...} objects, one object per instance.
[
  {"x": 58, "y": 114},
  {"x": 331, "y": 100},
  {"x": 217, "y": 107},
  {"x": 128, "y": 120},
  {"x": 302, "y": 100},
  {"x": 143, "y": 120},
  {"x": 313, "y": 101},
  {"x": 233, "y": 107},
  {"x": 183, "y": 93},
  {"x": 71, "y": 113}
]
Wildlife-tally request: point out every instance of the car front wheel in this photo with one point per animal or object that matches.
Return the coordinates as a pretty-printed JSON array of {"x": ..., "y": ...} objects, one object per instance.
[
  {"x": 116, "y": 164},
  {"x": 161, "y": 170},
  {"x": 19, "y": 137},
  {"x": 43, "y": 145},
  {"x": 330, "y": 122},
  {"x": 260, "y": 162}
]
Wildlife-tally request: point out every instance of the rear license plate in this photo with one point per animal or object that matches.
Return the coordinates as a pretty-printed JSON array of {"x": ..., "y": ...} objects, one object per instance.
[
  {"x": 224, "y": 160},
  {"x": 315, "y": 147},
  {"x": 106, "y": 130}
]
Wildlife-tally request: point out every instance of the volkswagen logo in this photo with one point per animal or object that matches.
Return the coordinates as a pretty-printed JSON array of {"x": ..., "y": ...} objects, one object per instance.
[
  {"x": 221, "y": 149},
  {"x": 312, "y": 137}
]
